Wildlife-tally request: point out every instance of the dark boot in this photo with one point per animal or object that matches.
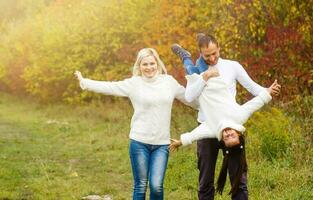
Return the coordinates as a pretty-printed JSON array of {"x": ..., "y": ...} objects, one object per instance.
[{"x": 180, "y": 51}]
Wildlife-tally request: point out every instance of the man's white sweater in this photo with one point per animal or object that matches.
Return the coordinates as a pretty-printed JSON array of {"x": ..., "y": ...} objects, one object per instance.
[
  {"x": 230, "y": 72},
  {"x": 221, "y": 109},
  {"x": 152, "y": 101}
]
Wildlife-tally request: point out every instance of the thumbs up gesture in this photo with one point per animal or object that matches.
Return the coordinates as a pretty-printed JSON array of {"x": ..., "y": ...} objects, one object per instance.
[{"x": 274, "y": 89}]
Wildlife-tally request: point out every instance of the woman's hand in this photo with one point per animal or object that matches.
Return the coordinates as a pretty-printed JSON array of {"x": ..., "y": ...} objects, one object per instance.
[
  {"x": 274, "y": 89},
  {"x": 78, "y": 75},
  {"x": 175, "y": 144},
  {"x": 209, "y": 73}
]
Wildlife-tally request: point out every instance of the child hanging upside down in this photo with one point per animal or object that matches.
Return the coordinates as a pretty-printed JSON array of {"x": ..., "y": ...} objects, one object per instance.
[
  {"x": 224, "y": 117},
  {"x": 224, "y": 121}
]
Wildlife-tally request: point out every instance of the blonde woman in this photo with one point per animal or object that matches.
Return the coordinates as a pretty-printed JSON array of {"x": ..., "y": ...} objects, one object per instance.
[{"x": 151, "y": 92}]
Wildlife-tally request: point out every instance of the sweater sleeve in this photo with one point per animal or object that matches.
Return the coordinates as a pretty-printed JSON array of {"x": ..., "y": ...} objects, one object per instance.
[
  {"x": 245, "y": 80},
  {"x": 202, "y": 131},
  {"x": 116, "y": 88},
  {"x": 255, "y": 104},
  {"x": 180, "y": 95},
  {"x": 195, "y": 85}
]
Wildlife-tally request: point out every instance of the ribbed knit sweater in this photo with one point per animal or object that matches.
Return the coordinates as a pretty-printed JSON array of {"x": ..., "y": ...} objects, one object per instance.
[
  {"x": 152, "y": 100},
  {"x": 231, "y": 72},
  {"x": 221, "y": 109}
]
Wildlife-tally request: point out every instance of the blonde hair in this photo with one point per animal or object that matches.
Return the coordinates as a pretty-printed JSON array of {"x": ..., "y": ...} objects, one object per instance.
[{"x": 145, "y": 53}]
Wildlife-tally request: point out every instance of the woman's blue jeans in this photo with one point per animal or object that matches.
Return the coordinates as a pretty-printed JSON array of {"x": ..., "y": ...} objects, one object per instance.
[{"x": 149, "y": 165}]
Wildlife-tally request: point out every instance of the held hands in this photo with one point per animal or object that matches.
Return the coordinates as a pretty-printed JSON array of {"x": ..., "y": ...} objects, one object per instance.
[
  {"x": 78, "y": 75},
  {"x": 209, "y": 73},
  {"x": 274, "y": 89},
  {"x": 175, "y": 144}
]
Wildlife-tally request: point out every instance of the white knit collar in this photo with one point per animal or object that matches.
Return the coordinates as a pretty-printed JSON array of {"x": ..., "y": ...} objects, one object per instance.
[
  {"x": 152, "y": 79},
  {"x": 218, "y": 62}
]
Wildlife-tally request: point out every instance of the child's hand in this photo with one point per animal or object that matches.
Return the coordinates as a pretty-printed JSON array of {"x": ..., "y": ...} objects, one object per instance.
[
  {"x": 211, "y": 72},
  {"x": 274, "y": 89},
  {"x": 175, "y": 144}
]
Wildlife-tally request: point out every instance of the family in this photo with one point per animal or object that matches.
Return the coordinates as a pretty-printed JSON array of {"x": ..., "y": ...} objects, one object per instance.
[{"x": 210, "y": 89}]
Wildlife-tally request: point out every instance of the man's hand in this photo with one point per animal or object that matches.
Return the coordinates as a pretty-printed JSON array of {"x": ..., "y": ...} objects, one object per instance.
[
  {"x": 209, "y": 73},
  {"x": 175, "y": 144},
  {"x": 78, "y": 75},
  {"x": 274, "y": 89}
]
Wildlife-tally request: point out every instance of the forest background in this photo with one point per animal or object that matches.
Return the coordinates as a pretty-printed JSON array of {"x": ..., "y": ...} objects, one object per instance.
[{"x": 42, "y": 43}]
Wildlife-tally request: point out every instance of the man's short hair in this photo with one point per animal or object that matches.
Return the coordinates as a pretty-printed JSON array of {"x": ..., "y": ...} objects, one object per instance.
[{"x": 205, "y": 39}]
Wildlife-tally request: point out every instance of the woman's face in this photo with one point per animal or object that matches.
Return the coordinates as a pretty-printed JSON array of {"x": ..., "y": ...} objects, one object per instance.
[
  {"x": 148, "y": 66},
  {"x": 230, "y": 137}
]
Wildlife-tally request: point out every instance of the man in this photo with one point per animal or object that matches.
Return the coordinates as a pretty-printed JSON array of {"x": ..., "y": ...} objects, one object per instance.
[{"x": 209, "y": 64}]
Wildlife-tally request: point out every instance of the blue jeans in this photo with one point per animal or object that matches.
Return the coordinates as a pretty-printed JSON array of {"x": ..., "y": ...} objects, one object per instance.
[
  {"x": 190, "y": 68},
  {"x": 148, "y": 164}
]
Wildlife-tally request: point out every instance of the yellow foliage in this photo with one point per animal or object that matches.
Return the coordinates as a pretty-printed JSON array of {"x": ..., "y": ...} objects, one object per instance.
[{"x": 101, "y": 38}]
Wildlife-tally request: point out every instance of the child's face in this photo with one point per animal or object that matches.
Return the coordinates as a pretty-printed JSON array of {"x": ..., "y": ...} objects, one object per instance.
[{"x": 230, "y": 137}]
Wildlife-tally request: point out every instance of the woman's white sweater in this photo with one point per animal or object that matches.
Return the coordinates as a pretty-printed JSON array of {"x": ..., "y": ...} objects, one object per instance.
[
  {"x": 221, "y": 110},
  {"x": 152, "y": 101}
]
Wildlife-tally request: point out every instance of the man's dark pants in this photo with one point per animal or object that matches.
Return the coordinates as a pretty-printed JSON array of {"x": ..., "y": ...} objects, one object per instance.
[{"x": 207, "y": 152}]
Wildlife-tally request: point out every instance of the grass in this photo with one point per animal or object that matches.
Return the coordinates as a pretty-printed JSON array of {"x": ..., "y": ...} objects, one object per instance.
[{"x": 67, "y": 152}]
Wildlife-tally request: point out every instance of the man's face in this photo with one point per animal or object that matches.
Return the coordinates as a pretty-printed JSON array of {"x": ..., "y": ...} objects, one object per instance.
[
  {"x": 210, "y": 54},
  {"x": 230, "y": 137}
]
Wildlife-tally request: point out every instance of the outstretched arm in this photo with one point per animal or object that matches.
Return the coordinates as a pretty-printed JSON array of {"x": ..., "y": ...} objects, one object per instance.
[
  {"x": 254, "y": 88},
  {"x": 257, "y": 102},
  {"x": 117, "y": 88},
  {"x": 202, "y": 131},
  {"x": 245, "y": 80}
]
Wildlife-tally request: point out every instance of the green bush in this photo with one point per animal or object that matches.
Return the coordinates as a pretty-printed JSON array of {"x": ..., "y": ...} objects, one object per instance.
[
  {"x": 271, "y": 133},
  {"x": 301, "y": 110}
]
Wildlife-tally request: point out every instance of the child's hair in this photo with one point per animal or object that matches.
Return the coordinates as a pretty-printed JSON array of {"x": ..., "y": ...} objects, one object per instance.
[{"x": 243, "y": 167}]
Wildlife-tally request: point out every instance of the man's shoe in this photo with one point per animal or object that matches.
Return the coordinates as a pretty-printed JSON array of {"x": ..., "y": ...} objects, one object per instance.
[{"x": 180, "y": 51}]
